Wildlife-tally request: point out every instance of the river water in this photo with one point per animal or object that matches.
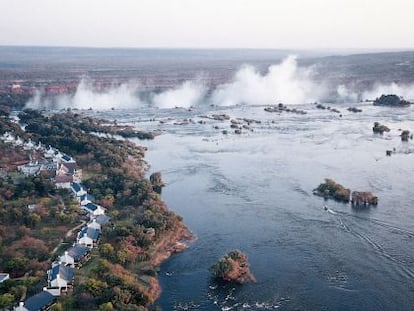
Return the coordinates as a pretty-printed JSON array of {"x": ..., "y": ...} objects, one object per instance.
[{"x": 253, "y": 192}]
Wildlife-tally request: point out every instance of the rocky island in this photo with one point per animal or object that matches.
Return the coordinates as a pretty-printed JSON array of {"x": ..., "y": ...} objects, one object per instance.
[
  {"x": 233, "y": 267},
  {"x": 332, "y": 190},
  {"x": 359, "y": 198},
  {"x": 391, "y": 100}
]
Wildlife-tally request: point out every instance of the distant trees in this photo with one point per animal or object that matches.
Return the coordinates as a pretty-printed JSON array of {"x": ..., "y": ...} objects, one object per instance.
[{"x": 391, "y": 100}]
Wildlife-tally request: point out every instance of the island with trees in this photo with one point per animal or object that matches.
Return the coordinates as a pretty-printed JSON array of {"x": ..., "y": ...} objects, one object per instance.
[
  {"x": 233, "y": 267},
  {"x": 391, "y": 100}
]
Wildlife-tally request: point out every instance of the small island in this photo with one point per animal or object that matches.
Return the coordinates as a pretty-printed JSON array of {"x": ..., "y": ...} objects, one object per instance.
[
  {"x": 391, "y": 100},
  {"x": 233, "y": 267},
  {"x": 332, "y": 190}
]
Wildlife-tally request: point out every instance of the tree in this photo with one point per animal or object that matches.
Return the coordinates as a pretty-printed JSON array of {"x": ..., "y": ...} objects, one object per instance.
[
  {"x": 106, "y": 307},
  {"x": 96, "y": 287},
  {"x": 6, "y": 301},
  {"x": 107, "y": 251}
]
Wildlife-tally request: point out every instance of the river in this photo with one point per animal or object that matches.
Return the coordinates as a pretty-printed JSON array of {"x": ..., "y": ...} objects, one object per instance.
[{"x": 253, "y": 192}]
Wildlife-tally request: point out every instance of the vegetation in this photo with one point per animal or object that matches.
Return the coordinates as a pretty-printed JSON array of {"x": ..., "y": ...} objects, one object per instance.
[
  {"x": 90, "y": 125},
  {"x": 331, "y": 190},
  {"x": 28, "y": 235},
  {"x": 233, "y": 267},
  {"x": 14, "y": 101},
  {"x": 121, "y": 273}
]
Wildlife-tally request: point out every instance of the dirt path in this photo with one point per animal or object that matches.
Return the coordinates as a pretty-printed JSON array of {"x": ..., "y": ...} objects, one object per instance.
[{"x": 68, "y": 234}]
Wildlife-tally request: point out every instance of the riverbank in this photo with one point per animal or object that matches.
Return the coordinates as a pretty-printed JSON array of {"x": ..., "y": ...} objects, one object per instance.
[{"x": 143, "y": 232}]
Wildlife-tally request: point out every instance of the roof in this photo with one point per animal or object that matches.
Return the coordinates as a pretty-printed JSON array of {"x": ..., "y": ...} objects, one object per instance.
[
  {"x": 63, "y": 178},
  {"x": 70, "y": 166},
  {"x": 3, "y": 277},
  {"x": 90, "y": 232},
  {"x": 49, "y": 166},
  {"x": 64, "y": 272},
  {"x": 87, "y": 196},
  {"x": 93, "y": 220},
  {"x": 102, "y": 219},
  {"x": 77, "y": 187},
  {"x": 66, "y": 158},
  {"x": 91, "y": 206},
  {"x": 77, "y": 252},
  {"x": 39, "y": 301}
]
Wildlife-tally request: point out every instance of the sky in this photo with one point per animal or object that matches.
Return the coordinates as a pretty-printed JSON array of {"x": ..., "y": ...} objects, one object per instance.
[{"x": 304, "y": 24}]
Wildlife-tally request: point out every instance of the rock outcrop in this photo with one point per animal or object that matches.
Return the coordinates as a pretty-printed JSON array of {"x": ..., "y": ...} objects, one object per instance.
[
  {"x": 405, "y": 135},
  {"x": 331, "y": 190},
  {"x": 157, "y": 182},
  {"x": 281, "y": 107},
  {"x": 380, "y": 128},
  {"x": 363, "y": 198},
  {"x": 354, "y": 109},
  {"x": 391, "y": 100},
  {"x": 233, "y": 267}
]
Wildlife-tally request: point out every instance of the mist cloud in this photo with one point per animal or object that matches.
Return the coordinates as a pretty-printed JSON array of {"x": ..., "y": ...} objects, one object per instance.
[
  {"x": 282, "y": 83},
  {"x": 285, "y": 82},
  {"x": 188, "y": 94},
  {"x": 87, "y": 96}
]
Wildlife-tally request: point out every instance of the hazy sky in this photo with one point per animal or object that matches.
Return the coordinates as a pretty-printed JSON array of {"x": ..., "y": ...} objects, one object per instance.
[{"x": 209, "y": 23}]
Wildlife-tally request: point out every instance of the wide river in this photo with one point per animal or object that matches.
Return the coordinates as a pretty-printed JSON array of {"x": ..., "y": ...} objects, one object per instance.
[{"x": 253, "y": 192}]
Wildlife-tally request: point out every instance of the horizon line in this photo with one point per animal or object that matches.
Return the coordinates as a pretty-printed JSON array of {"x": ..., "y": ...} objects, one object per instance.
[{"x": 401, "y": 49}]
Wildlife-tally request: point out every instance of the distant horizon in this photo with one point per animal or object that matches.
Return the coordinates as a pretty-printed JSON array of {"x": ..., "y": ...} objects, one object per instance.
[{"x": 380, "y": 49}]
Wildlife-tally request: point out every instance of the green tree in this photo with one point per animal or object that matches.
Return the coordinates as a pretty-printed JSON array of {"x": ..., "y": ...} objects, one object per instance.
[
  {"x": 106, "y": 307},
  {"x": 6, "y": 301},
  {"x": 107, "y": 251},
  {"x": 96, "y": 287}
]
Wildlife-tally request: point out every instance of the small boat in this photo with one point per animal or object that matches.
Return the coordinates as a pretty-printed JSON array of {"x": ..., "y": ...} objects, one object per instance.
[{"x": 325, "y": 207}]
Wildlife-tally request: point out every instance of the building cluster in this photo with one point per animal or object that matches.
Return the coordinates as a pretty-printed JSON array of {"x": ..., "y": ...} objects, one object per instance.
[
  {"x": 52, "y": 163},
  {"x": 62, "y": 169}
]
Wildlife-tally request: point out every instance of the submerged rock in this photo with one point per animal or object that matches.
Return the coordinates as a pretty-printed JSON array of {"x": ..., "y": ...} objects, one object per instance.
[
  {"x": 363, "y": 198},
  {"x": 331, "y": 190},
  {"x": 380, "y": 128},
  {"x": 354, "y": 109},
  {"x": 220, "y": 117},
  {"x": 281, "y": 107},
  {"x": 405, "y": 135},
  {"x": 233, "y": 267}
]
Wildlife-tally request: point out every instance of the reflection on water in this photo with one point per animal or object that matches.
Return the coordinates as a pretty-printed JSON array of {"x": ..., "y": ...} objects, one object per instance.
[{"x": 254, "y": 192}]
